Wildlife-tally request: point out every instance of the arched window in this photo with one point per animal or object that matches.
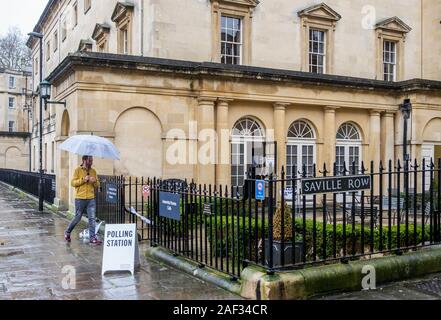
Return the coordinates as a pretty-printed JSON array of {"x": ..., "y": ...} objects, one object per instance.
[
  {"x": 247, "y": 150},
  {"x": 300, "y": 150},
  {"x": 300, "y": 130},
  {"x": 348, "y": 131},
  {"x": 247, "y": 127},
  {"x": 348, "y": 149}
]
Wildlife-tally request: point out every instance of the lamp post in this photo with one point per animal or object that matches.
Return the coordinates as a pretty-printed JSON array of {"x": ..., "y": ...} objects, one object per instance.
[
  {"x": 40, "y": 182},
  {"x": 406, "y": 109},
  {"x": 46, "y": 94}
]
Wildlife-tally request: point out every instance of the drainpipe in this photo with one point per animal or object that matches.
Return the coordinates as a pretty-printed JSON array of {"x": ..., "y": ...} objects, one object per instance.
[{"x": 142, "y": 27}]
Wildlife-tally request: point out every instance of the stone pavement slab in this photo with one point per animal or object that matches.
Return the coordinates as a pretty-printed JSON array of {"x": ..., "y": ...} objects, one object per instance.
[
  {"x": 33, "y": 254},
  {"x": 427, "y": 288}
]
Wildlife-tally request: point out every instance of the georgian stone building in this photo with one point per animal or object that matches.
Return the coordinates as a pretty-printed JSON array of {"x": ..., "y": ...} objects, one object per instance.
[
  {"x": 321, "y": 81},
  {"x": 15, "y": 88}
]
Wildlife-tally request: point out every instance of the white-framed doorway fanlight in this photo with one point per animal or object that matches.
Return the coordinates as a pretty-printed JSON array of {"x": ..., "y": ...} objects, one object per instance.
[
  {"x": 348, "y": 150},
  {"x": 300, "y": 149},
  {"x": 247, "y": 148}
]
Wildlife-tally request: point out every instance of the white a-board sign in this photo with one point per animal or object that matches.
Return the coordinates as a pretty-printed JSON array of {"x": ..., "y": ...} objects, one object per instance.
[{"x": 121, "y": 252}]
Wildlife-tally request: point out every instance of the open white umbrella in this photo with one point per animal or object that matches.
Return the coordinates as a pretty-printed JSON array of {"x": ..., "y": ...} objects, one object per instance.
[{"x": 90, "y": 145}]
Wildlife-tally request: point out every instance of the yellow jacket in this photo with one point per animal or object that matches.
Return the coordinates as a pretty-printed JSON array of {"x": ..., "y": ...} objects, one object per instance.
[{"x": 84, "y": 190}]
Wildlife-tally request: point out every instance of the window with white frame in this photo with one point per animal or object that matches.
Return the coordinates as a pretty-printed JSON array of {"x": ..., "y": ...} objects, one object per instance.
[
  {"x": 48, "y": 50},
  {"x": 124, "y": 44},
  {"x": 34, "y": 159},
  {"x": 11, "y": 126},
  {"x": 55, "y": 41},
  {"x": 87, "y": 5},
  {"x": 63, "y": 30},
  {"x": 122, "y": 17},
  {"x": 231, "y": 40},
  {"x": 36, "y": 66},
  {"x": 53, "y": 157},
  {"x": 125, "y": 39},
  {"x": 247, "y": 143},
  {"x": 102, "y": 46},
  {"x": 45, "y": 157},
  {"x": 11, "y": 103},
  {"x": 348, "y": 150},
  {"x": 300, "y": 151},
  {"x": 11, "y": 82},
  {"x": 317, "y": 51},
  {"x": 75, "y": 15},
  {"x": 390, "y": 60}
]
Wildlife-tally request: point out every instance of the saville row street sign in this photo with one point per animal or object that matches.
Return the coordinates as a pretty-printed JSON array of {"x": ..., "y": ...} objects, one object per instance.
[{"x": 336, "y": 184}]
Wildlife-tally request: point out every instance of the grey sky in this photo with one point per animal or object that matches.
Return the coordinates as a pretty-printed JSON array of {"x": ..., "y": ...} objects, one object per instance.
[{"x": 21, "y": 13}]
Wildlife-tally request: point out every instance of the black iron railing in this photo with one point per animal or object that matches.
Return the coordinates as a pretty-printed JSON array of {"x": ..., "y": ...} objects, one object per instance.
[
  {"x": 110, "y": 210},
  {"x": 226, "y": 228},
  {"x": 28, "y": 182}
]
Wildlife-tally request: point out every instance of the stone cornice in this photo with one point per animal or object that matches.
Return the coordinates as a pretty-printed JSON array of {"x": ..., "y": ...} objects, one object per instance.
[
  {"x": 208, "y": 69},
  {"x": 8, "y": 134}
]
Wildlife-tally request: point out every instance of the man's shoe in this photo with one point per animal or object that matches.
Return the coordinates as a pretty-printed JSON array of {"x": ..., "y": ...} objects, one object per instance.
[
  {"x": 95, "y": 241},
  {"x": 67, "y": 237}
]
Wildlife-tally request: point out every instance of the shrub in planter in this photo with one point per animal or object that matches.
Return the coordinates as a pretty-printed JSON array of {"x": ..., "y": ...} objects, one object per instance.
[{"x": 286, "y": 234}]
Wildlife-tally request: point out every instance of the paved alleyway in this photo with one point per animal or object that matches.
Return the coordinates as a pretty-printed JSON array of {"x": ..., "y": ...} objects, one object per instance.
[{"x": 33, "y": 254}]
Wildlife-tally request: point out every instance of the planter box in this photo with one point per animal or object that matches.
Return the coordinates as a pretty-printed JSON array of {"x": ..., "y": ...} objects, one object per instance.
[{"x": 277, "y": 252}]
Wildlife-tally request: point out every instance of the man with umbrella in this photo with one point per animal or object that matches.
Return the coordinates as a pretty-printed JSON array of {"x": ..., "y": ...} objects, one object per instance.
[{"x": 85, "y": 181}]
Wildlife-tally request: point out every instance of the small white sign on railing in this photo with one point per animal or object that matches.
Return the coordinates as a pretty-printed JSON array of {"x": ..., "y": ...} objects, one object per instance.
[{"x": 121, "y": 252}]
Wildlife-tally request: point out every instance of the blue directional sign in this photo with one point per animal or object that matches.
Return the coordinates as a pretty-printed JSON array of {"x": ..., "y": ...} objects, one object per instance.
[
  {"x": 169, "y": 204},
  {"x": 260, "y": 190}
]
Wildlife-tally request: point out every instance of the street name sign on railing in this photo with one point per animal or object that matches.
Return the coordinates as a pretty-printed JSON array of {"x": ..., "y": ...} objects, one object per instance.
[{"x": 335, "y": 184}]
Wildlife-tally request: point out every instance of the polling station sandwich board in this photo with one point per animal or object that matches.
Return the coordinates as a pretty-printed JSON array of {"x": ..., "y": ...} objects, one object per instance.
[{"x": 121, "y": 252}]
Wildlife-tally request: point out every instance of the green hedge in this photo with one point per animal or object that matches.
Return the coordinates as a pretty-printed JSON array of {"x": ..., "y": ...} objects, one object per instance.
[
  {"x": 355, "y": 236},
  {"x": 221, "y": 245},
  {"x": 241, "y": 237}
]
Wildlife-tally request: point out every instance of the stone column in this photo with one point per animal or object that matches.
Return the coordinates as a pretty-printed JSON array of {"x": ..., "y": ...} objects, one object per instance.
[
  {"x": 374, "y": 144},
  {"x": 330, "y": 133},
  {"x": 280, "y": 134},
  {"x": 387, "y": 145},
  {"x": 223, "y": 150},
  {"x": 387, "y": 137},
  {"x": 61, "y": 200},
  {"x": 374, "y": 138},
  {"x": 206, "y": 141}
]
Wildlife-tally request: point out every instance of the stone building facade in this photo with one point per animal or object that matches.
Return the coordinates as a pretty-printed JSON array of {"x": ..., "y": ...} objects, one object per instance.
[
  {"x": 15, "y": 118},
  {"x": 321, "y": 81}
]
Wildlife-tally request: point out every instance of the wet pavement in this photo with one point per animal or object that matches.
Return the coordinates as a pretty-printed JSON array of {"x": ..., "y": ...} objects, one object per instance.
[
  {"x": 35, "y": 263},
  {"x": 427, "y": 288},
  {"x": 33, "y": 256}
]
